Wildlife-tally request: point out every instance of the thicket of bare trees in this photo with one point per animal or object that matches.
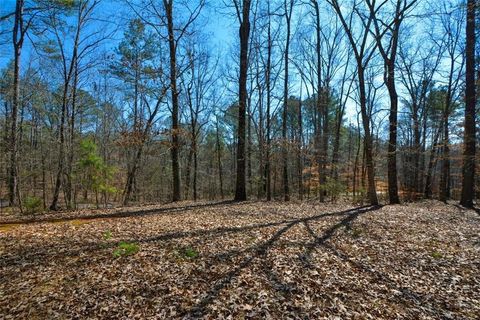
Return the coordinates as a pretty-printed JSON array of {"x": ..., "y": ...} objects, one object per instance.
[{"x": 369, "y": 100}]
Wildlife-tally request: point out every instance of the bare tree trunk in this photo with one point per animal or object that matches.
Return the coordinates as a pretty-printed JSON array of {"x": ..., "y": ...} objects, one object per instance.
[
  {"x": 444, "y": 176},
  {"x": 175, "y": 106},
  {"x": 69, "y": 173},
  {"x": 392, "y": 142},
  {"x": 431, "y": 163},
  {"x": 219, "y": 160},
  {"x": 195, "y": 168},
  {"x": 468, "y": 172},
  {"x": 320, "y": 111},
  {"x": 244, "y": 33},
  {"x": 129, "y": 186},
  {"x": 300, "y": 148},
  {"x": 288, "y": 15},
  {"x": 268, "y": 170},
  {"x": 372, "y": 192},
  {"x": 67, "y": 77},
  {"x": 61, "y": 153},
  {"x": 18, "y": 38},
  {"x": 188, "y": 171}
]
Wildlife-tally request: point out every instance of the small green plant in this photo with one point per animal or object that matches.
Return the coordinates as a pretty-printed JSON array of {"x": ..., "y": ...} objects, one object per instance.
[
  {"x": 107, "y": 235},
  {"x": 32, "y": 205},
  {"x": 125, "y": 249},
  {"x": 436, "y": 255},
  {"x": 189, "y": 253},
  {"x": 95, "y": 175}
]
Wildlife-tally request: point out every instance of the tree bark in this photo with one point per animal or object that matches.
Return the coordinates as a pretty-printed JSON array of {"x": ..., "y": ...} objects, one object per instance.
[
  {"x": 468, "y": 172},
  {"x": 219, "y": 160},
  {"x": 268, "y": 171},
  {"x": 175, "y": 105},
  {"x": 288, "y": 15},
  {"x": 18, "y": 39},
  {"x": 244, "y": 33}
]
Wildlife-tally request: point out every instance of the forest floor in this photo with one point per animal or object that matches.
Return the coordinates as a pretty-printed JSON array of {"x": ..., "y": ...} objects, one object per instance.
[{"x": 243, "y": 260}]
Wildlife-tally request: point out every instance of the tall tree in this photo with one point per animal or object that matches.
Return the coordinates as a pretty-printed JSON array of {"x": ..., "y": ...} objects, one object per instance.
[
  {"x": 138, "y": 55},
  {"x": 468, "y": 180},
  {"x": 452, "y": 23},
  {"x": 288, "y": 7},
  {"x": 387, "y": 34},
  {"x": 19, "y": 32},
  {"x": 243, "y": 16},
  {"x": 363, "y": 52},
  {"x": 172, "y": 45},
  {"x": 69, "y": 52}
]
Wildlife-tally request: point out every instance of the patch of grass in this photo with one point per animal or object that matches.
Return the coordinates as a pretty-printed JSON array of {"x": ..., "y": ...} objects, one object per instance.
[
  {"x": 436, "y": 255},
  {"x": 107, "y": 235},
  {"x": 126, "y": 249},
  {"x": 189, "y": 253}
]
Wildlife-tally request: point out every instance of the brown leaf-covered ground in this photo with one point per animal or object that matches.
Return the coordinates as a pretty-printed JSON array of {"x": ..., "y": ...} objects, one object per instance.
[{"x": 250, "y": 260}]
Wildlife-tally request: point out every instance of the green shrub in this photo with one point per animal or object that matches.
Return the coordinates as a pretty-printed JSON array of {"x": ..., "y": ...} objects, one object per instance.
[
  {"x": 32, "y": 205},
  {"x": 125, "y": 249},
  {"x": 334, "y": 188},
  {"x": 95, "y": 175}
]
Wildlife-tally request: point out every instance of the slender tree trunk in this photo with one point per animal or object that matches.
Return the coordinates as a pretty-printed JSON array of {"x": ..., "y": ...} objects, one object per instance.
[
  {"x": 131, "y": 175},
  {"x": 444, "y": 177},
  {"x": 67, "y": 77},
  {"x": 423, "y": 151},
  {"x": 431, "y": 164},
  {"x": 320, "y": 111},
  {"x": 372, "y": 192},
  {"x": 244, "y": 33},
  {"x": 69, "y": 173},
  {"x": 468, "y": 172},
  {"x": 61, "y": 153},
  {"x": 416, "y": 152},
  {"x": 300, "y": 148},
  {"x": 325, "y": 135},
  {"x": 188, "y": 171},
  {"x": 392, "y": 142},
  {"x": 261, "y": 138},
  {"x": 286, "y": 192},
  {"x": 268, "y": 171},
  {"x": 249, "y": 144},
  {"x": 175, "y": 106},
  {"x": 219, "y": 160},
  {"x": 18, "y": 38},
  {"x": 195, "y": 168}
]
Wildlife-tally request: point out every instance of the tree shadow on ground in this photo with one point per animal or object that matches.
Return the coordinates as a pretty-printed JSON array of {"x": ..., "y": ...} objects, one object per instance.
[
  {"x": 44, "y": 255},
  {"x": 120, "y": 214},
  {"x": 405, "y": 295},
  {"x": 252, "y": 254},
  {"x": 261, "y": 250},
  {"x": 477, "y": 210}
]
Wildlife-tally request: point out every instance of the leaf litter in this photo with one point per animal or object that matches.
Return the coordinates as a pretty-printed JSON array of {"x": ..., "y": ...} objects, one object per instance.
[{"x": 252, "y": 260}]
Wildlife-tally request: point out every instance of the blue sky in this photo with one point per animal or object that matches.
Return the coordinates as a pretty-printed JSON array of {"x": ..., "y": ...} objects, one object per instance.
[{"x": 218, "y": 23}]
